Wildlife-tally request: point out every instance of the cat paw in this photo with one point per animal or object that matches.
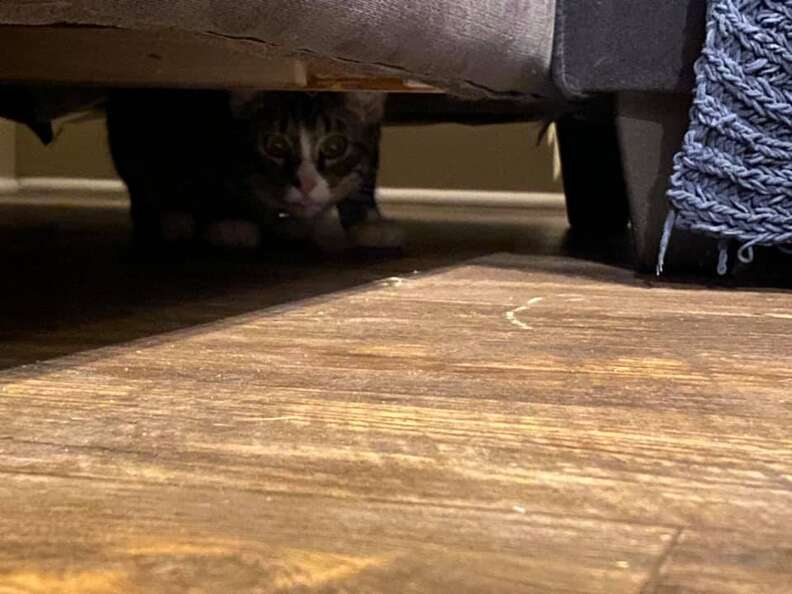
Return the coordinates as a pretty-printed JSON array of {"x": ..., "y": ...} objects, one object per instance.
[
  {"x": 328, "y": 234},
  {"x": 379, "y": 234},
  {"x": 177, "y": 226},
  {"x": 233, "y": 234}
]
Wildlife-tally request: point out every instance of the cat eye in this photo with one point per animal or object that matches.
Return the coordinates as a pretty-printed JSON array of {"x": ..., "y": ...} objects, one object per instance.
[
  {"x": 333, "y": 146},
  {"x": 276, "y": 145}
]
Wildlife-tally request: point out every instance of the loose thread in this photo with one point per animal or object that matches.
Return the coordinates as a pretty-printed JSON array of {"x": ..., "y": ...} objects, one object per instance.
[
  {"x": 668, "y": 228},
  {"x": 746, "y": 253},
  {"x": 723, "y": 257}
]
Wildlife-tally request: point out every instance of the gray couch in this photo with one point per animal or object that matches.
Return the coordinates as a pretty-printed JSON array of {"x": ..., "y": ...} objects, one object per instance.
[
  {"x": 488, "y": 46},
  {"x": 616, "y": 74},
  {"x": 640, "y": 55}
]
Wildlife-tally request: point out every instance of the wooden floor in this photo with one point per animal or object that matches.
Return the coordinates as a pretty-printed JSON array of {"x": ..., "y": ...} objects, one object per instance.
[{"x": 459, "y": 420}]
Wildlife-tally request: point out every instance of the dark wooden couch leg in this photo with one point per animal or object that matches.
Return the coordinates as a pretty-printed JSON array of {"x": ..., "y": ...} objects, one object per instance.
[
  {"x": 651, "y": 128},
  {"x": 596, "y": 198}
]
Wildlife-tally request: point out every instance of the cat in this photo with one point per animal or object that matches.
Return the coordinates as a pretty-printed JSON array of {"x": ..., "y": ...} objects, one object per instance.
[{"x": 224, "y": 167}]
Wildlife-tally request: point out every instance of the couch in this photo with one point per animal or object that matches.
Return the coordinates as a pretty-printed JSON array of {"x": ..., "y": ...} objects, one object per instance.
[{"x": 615, "y": 74}]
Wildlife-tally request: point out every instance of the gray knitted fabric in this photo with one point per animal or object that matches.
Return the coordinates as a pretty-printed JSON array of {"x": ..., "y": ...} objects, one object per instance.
[{"x": 733, "y": 177}]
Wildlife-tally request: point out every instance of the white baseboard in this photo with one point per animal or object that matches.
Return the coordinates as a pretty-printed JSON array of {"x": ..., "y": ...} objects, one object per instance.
[
  {"x": 71, "y": 184},
  {"x": 9, "y": 185},
  {"x": 472, "y": 198},
  {"x": 408, "y": 196}
]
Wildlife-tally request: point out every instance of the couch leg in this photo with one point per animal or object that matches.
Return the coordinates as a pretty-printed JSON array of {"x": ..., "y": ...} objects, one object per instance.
[
  {"x": 596, "y": 198},
  {"x": 651, "y": 128}
]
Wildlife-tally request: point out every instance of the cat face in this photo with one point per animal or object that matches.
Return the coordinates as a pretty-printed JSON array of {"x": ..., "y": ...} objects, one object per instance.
[{"x": 305, "y": 152}]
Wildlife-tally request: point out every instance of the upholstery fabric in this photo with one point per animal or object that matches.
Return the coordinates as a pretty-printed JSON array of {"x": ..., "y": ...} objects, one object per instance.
[
  {"x": 490, "y": 46},
  {"x": 627, "y": 45}
]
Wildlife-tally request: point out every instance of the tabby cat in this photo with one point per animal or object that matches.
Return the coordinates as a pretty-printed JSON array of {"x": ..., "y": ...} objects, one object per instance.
[{"x": 226, "y": 166}]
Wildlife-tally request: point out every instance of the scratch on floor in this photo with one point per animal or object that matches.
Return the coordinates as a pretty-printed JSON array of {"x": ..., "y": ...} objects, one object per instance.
[
  {"x": 393, "y": 281},
  {"x": 655, "y": 577},
  {"x": 511, "y": 315}
]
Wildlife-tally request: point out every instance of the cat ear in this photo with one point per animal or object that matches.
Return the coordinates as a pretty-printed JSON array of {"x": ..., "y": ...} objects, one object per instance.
[
  {"x": 369, "y": 107},
  {"x": 240, "y": 100}
]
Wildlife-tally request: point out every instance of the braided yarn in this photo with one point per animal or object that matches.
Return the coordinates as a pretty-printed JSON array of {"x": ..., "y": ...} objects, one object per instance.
[{"x": 733, "y": 177}]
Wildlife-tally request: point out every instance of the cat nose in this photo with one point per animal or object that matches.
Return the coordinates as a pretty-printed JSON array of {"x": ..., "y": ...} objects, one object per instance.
[{"x": 307, "y": 184}]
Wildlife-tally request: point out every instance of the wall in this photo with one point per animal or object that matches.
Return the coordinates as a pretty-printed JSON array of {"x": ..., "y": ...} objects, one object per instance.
[
  {"x": 7, "y": 150},
  {"x": 80, "y": 150},
  {"x": 501, "y": 158}
]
